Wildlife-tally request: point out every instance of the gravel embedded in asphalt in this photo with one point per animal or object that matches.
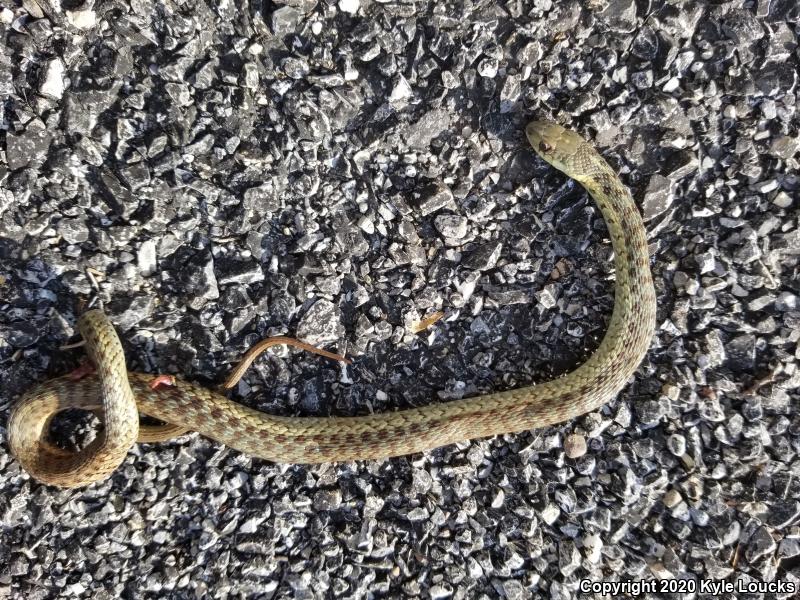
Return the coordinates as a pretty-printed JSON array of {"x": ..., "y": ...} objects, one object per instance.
[{"x": 216, "y": 173}]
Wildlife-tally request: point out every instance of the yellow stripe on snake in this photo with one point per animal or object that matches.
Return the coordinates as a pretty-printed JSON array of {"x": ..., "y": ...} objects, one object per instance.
[{"x": 122, "y": 396}]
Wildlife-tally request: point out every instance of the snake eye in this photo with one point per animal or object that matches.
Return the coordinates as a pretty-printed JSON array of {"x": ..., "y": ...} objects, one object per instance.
[{"x": 544, "y": 147}]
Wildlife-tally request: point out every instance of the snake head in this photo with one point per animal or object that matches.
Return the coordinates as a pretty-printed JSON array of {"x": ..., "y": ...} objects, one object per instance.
[{"x": 560, "y": 147}]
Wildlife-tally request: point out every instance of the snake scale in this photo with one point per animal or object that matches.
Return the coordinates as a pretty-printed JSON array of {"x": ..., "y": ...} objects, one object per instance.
[{"x": 120, "y": 396}]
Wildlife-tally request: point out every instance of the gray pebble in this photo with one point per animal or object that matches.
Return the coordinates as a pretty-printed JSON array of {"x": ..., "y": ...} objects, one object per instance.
[
  {"x": 434, "y": 199},
  {"x": 574, "y": 445},
  {"x": 27, "y": 147},
  {"x": 321, "y": 324},
  {"x": 451, "y": 226}
]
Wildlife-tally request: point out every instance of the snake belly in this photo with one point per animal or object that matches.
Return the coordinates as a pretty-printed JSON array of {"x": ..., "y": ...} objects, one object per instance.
[{"x": 321, "y": 439}]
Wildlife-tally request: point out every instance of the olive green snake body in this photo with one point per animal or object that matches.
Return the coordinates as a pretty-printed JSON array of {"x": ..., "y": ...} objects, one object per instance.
[{"x": 122, "y": 396}]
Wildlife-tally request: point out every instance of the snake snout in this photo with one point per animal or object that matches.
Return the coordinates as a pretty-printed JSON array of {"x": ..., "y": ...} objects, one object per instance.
[
  {"x": 545, "y": 137},
  {"x": 535, "y": 132}
]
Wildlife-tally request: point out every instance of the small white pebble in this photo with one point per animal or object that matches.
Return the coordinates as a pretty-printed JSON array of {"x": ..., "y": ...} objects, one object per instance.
[
  {"x": 660, "y": 571},
  {"x": 349, "y": 6},
  {"x": 593, "y": 546},
  {"x": 146, "y": 258},
  {"x": 672, "y": 498},
  {"x": 367, "y": 225},
  {"x": 82, "y": 19},
  {"x": 53, "y": 80},
  {"x": 729, "y": 112},
  {"x": 401, "y": 92},
  {"x": 488, "y": 68},
  {"x": 672, "y": 84},
  {"x": 550, "y": 513},
  {"x": 782, "y": 200},
  {"x": 499, "y": 499},
  {"x": 765, "y": 187}
]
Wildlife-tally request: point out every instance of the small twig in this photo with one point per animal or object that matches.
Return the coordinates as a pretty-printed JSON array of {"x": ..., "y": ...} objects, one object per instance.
[
  {"x": 93, "y": 275},
  {"x": 427, "y": 322},
  {"x": 78, "y": 344},
  {"x": 770, "y": 377}
]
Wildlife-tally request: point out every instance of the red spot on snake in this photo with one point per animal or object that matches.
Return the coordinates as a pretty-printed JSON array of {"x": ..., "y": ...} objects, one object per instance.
[
  {"x": 82, "y": 371},
  {"x": 162, "y": 380}
]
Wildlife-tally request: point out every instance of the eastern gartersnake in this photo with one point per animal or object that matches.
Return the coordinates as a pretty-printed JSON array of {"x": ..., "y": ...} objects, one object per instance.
[{"x": 313, "y": 439}]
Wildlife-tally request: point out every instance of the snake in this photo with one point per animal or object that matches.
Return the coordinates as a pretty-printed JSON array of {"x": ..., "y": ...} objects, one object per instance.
[{"x": 120, "y": 397}]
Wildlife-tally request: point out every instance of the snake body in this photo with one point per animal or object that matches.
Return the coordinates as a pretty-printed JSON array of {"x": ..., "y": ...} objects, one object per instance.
[{"x": 112, "y": 389}]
